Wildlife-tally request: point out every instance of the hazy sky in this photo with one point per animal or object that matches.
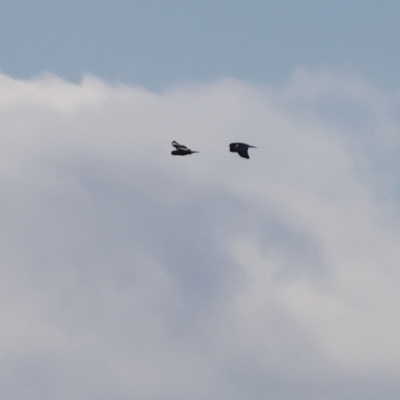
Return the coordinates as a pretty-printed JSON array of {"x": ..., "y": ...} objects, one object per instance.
[
  {"x": 129, "y": 274},
  {"x": 158, "y": 43}
]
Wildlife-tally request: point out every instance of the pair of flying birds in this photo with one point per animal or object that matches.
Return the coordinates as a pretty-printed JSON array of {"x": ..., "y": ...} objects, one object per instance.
[{"x": 240, "y": 148}]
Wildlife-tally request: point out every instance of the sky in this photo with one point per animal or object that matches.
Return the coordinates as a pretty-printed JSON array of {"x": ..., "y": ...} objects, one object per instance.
[
  {"x": 156, "y": 44},
  {"x": 126, "y": 273}
]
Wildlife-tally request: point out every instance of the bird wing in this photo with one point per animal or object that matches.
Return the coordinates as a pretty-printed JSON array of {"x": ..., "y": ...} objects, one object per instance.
[
  {"x": 179, "y": 146},
  {"x": 242, "y": 151}
]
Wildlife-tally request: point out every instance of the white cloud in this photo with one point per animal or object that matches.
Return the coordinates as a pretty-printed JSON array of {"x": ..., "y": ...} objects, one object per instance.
[{"x": 129, "y": 273}]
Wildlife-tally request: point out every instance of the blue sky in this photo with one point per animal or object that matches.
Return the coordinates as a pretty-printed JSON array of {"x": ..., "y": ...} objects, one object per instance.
[
  {"x": 159, "y": 43},
  {"x": 126, "y": 273}
]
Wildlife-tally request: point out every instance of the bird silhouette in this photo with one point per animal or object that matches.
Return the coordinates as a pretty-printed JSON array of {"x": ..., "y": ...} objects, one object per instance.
[
  {"x": 181, "y": 150},
  {"x": 241, "y": 149}
]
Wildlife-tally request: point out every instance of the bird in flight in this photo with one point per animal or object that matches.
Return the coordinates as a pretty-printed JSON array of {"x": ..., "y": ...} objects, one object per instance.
[
  {"x": 241, "y": 149},
  {"x": 181, "y": 150}
]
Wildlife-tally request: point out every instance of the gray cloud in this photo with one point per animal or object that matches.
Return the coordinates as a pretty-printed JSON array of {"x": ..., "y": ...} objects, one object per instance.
[{"x": 128, "y": 273}]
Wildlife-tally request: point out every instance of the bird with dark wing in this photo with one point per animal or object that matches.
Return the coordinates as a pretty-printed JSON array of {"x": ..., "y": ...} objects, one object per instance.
[
  {"x": 241, "y": 149},
  {"x": 181, "y": 150}
]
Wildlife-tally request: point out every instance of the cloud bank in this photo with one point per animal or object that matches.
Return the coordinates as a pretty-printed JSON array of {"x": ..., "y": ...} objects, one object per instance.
[{"x": 127, "y": 273}]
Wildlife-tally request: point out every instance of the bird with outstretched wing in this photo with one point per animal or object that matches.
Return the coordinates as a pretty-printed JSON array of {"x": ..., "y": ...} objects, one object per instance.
[
  {"x": 241, "y": 149},
  {"x": 181, "y": 150}
]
